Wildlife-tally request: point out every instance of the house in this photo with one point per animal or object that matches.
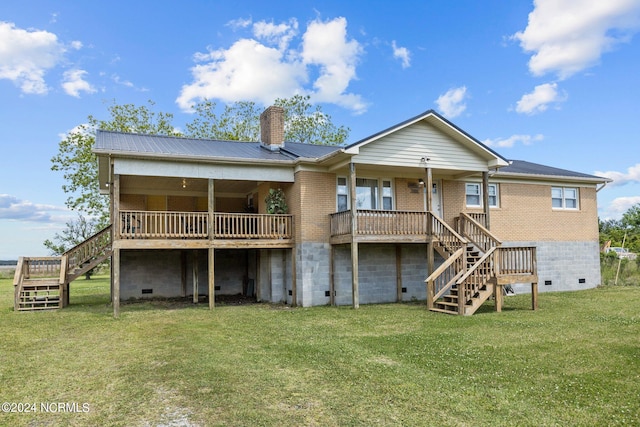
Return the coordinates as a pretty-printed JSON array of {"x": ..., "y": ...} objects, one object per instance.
[{"x": 370, "y": 222}]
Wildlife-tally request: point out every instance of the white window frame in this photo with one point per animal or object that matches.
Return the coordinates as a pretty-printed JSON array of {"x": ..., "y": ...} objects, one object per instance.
[
  {"x": 563, "y": 198},
  {"x": 480, "y": 195},
  {"x": 380, "y": 192}
]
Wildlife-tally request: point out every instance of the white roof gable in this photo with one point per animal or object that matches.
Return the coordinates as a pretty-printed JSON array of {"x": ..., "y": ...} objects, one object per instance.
[{"x": 427, "y": 139}]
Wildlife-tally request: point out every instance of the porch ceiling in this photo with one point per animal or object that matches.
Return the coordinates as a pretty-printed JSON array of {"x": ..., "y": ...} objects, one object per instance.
[{"x": 183, "y": 186}]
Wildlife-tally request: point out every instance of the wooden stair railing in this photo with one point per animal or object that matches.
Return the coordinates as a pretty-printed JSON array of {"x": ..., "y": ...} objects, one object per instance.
[
  {"x": 444, "y": 278},
  {"x": 88, "y": 254},
  {"x": 447, "y": 240},
  {"x": 476, "y": 233},
  {"x": 38, "y": 283},
  {"x": 42, "y": 283}
]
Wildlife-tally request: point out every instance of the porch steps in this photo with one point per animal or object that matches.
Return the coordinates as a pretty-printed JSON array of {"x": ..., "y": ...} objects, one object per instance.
[
  {"x": 42, "y": 283},
  {"x": 39, "y": 294}
]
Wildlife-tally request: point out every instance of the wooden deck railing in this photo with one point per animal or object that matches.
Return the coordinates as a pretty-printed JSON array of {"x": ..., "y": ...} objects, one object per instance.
[
  {"x": 252, "y": 226},
  {"x": 516, "y": 261},
  {"x": 195, "y": 225},
  {"x": 379, "y": 222},
  {"x": 162, "y": 224}
]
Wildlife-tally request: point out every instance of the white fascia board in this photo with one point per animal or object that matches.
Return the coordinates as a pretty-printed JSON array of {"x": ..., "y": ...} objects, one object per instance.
[{"x": 243, "y": 172}]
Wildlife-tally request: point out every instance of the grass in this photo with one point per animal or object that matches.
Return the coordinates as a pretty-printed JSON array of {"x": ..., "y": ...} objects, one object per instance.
[{"x": 574, "y": 362}]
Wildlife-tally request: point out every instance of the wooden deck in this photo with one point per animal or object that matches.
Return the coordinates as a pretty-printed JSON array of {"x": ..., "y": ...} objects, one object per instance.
[{"x": 380, "y": 226}]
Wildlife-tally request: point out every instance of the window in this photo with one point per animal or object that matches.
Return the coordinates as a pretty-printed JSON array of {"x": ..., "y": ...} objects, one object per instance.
[
  {"x": 370, "y": 194},
  {"x": 366, "y": 193},
  {"x": 343, "y": 194},
  {"x": 493, "y": 195},
  {"x": 564, "y": 198},
  {"x": 473, "y": 193},
  {"x": 387, "y": 196}
]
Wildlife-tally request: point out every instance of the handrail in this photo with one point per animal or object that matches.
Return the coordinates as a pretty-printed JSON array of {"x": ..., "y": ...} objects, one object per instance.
[
  {"x": 445, "y": 276},
  {"x": 18, "y": 275},
  {"x": 88, "y": 249},
  {"x": 477, "y": 233},
  {"x": 446, "y": 235},
  {"x": 476, "y": 266}
]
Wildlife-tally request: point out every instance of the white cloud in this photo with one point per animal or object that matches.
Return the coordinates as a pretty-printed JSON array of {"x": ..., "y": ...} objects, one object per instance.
[
  {"x": 325, "y": 44},
  {"x": 74, "y": 83},
  {"x": 452, "y": 104},
  {"x": 539, "y": 100},
  {"x": 280, "y": 35},
  {"x": 632, "y": 176},
  {"x": 264, "y": 68},
  {"x": 568, "y": 36},
  {"x": 401, "y": 53},
  {"x": 13, "y": 208},
  {"x": 25, "y": 57},
  {"x": 618, "y": 207},
  {"x": 513, "y": 140},
  {"x": 239, "y": 23}
]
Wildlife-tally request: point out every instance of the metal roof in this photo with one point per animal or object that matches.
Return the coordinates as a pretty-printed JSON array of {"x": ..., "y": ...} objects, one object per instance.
[
  {"x": 136, "y": 145},
  {"x": 522, "y": 167}
]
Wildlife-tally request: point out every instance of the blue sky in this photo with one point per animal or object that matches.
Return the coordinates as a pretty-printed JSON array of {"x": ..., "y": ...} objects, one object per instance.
[{"x": 551, "y": 81}]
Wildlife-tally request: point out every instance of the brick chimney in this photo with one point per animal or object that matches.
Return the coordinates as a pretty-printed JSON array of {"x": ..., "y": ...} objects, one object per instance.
[{"x": 272, "y": 128}]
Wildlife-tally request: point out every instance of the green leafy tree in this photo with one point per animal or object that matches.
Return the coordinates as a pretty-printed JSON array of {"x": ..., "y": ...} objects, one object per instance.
[
  {"x": 303, "y": 123},
  {"x": 80, "y": 166},
  {"x": 78, "y": 230},
  {"x": 239, "y": 121}
]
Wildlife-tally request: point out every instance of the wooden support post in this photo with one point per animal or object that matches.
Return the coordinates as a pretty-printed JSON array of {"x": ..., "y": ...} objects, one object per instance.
[
  {"x": 211, "y": 207},
  {"x": 116, "y": 283},
  {"x": 485, "y": 199},
  {"x": 429, "y": 189},
  {"x": 497, "y": 295},
  {"x": 212, "y": 296},
  {"x": 355, "y": 292},
  {"x": 534, "y": 295},
  {"x": 194, "y": 269},
  {"x": 398, "y": 273},
  {"x": 294, "y": 281}
]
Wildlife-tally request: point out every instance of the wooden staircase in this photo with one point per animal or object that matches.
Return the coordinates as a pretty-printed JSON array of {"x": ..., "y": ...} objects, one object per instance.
[
  {"x": 42, "y": 283},
  {"x": 474, "y": 264}
]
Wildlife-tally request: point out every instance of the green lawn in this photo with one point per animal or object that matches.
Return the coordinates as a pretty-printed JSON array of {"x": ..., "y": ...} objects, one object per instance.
[{"x": 576, "y": 361}]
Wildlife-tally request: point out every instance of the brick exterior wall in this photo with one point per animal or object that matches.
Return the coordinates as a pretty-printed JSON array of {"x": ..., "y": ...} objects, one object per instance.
[
  {"x": 314, "y": 198},
  {"x": 524, "y": 213},
  {"x": 409, "y": 196}
]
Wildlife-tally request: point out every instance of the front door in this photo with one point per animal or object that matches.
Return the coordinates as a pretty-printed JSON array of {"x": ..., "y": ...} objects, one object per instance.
[{"x": 436, "y": 198}]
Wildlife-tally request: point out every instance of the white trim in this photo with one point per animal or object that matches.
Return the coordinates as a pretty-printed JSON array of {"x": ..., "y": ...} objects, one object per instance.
[{"x": 564, "y": 199}]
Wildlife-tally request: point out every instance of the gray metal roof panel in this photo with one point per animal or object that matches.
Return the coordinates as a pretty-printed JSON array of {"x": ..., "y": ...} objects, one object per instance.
[
  {"x": 161, "y": 145},
  {"x": 312, "y": 151},
  {"x": 522, "y": 167}
]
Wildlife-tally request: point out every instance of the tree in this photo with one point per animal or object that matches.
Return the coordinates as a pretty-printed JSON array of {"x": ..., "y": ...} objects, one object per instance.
[
  {"x": 614, "y": 230},
  {"x": 307, "y": 125},
  {"x": 240, "y": 121},
  {"x": 77, "y": 231},
  {"x": 80, "y": 166}
]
